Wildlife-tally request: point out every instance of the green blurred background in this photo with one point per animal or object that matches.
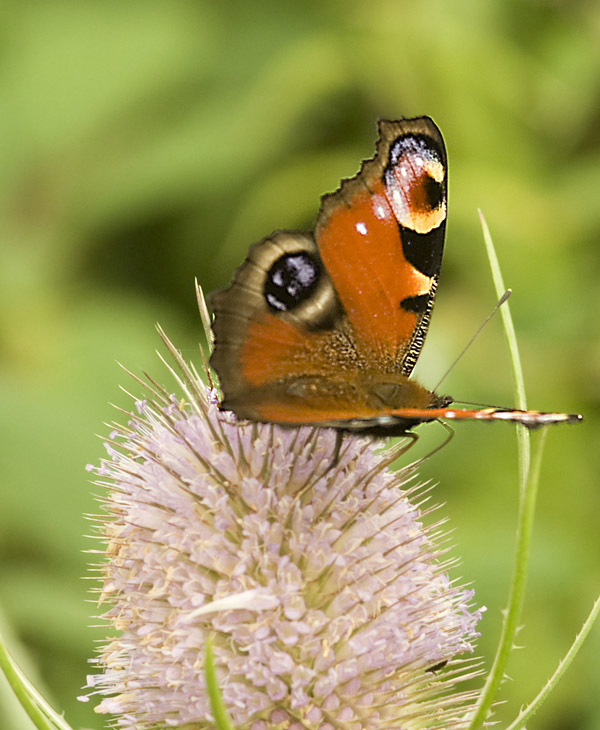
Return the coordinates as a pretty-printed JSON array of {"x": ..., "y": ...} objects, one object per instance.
[{"x": 144, "y": 143}]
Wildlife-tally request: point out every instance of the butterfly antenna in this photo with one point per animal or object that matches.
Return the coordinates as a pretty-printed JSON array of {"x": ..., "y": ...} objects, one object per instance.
[
  {"x": 497, "y": 306},
  {"x": 476, "y": 404}
]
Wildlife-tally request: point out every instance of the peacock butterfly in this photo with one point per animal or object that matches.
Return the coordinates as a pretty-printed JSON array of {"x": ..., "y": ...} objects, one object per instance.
[{"x": 325, "y": 328}]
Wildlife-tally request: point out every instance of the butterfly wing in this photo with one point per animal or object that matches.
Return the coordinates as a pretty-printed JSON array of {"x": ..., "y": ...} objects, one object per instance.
[
  {"x": 381, "y": 238},
  {"x": 274, "y": 322},
  {"x": 326, "y": 329}
]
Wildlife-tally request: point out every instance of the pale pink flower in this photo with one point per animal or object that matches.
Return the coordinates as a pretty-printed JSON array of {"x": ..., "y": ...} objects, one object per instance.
[{"x": 326, "y": 596}]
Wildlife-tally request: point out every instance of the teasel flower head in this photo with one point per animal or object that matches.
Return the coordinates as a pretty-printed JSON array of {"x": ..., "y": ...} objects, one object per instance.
[{"x": 327, "y": 600}]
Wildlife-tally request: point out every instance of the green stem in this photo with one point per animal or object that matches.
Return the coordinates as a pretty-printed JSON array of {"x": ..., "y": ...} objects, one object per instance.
[
  {"x": 517, "y": 590},
  {"x": 523, "y": 445},
  {"x": 563, "y": 665},
  {"x": 217, "y": 706},
  {"x": 528, "y": 482},
  {"x": 36, "y": 707}
]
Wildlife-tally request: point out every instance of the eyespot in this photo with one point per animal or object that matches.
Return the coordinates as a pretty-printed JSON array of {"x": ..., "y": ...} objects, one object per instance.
[
  {"x": 421, "y": 152},
  {"x": 415, "y": 180},
  {"x": 291, "y": 280}
]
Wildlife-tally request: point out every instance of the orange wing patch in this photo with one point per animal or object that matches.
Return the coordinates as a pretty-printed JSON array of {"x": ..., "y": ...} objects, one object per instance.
[
  {"x": 361, "y": 248},
  {"x": 275, "y": 349}
]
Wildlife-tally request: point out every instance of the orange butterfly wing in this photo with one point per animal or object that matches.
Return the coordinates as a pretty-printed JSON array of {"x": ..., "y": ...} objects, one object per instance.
[
  {"x": 381, "y": 239},
  {"x": 327, "y": 329}
]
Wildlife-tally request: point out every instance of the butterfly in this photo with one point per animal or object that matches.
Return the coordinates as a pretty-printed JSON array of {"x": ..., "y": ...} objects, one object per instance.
[{"x": 325, "y": 328}]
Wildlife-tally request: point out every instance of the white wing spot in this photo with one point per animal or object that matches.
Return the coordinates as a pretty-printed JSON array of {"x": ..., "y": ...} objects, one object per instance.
[
  {"x": 361, "y": 228},
  {"x": 380, "y": 207}
]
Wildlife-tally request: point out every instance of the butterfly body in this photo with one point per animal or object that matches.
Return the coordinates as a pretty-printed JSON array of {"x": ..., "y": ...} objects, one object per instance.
[{"x": 325, "y": 328}]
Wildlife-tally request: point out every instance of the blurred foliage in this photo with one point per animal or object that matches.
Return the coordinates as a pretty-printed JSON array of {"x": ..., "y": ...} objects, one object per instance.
[{"x": 146, "y": 142}]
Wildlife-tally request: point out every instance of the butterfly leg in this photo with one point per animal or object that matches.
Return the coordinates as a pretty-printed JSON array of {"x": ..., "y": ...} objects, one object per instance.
[{"x": 335, "y": 457}]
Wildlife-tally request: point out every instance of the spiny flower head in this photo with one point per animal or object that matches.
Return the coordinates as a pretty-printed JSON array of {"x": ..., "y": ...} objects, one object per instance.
[{"x": 325, "y": 596}]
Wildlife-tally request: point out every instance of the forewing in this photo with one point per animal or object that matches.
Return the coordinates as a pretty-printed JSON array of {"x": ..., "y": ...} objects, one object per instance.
[{"x": 381, "y": 237}]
